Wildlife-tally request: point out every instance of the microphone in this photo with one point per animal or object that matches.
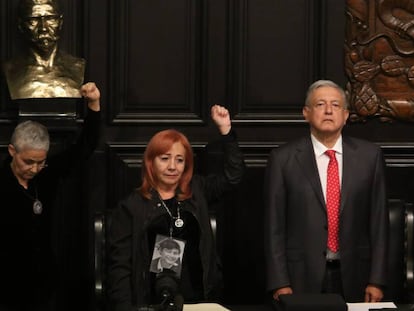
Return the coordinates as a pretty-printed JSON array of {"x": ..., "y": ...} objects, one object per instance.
[{"x": 166, "y": 293}]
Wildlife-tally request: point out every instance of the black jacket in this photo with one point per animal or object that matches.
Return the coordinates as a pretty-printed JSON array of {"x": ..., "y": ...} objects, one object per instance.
[
  {"x": 27, "y": 258},
  {"x": 129, "y": 255}
]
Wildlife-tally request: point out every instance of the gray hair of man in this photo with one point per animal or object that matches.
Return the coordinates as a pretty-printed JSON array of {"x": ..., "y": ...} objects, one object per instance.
[
  {"x": 30, "y": 135},
  {"x": 325, "y": 83}
]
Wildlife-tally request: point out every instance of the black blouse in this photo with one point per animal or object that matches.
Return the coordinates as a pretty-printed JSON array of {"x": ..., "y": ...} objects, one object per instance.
[{"x": 190, "y": 283}]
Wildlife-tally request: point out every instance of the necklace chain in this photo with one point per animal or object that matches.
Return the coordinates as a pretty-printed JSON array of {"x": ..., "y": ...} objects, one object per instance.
[
  {"x": 26, "y": 193},
  {"x": 178, "y": 222},
  {"x": 168, "y": 210},
  {"x": 37, "y": 205}
]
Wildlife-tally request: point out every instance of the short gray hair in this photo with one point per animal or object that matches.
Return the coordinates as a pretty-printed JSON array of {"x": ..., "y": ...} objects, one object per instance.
[
  {"x": 30, "y": 135},
  {"x": 328, "y": 83}
]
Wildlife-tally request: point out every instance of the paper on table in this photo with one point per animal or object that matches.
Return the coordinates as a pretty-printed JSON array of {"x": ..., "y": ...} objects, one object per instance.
[
  {"x": 204, "y": 307},
  {"x": 365, "y": 306}
]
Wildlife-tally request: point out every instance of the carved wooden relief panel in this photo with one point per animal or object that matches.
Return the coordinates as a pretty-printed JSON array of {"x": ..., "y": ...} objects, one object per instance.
[{"x": 379, "y": 59}]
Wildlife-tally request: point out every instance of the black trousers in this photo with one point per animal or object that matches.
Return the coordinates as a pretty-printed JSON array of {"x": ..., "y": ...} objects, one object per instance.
[{"x": 332, "y": 282}]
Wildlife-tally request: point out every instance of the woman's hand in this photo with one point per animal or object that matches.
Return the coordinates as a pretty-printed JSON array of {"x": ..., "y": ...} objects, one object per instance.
[
  {"x": 221, "y": 118},
  {"x": 91, "y": 93}
]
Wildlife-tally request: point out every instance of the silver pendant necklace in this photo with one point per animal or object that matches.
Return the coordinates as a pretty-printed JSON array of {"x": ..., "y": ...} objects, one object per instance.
[
  {"x": 37, "y": 205},
  {"x": 178, "y": 221}
]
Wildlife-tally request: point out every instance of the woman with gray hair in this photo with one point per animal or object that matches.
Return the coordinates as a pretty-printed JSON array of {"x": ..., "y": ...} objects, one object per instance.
[{"x": 29, "y": 183}]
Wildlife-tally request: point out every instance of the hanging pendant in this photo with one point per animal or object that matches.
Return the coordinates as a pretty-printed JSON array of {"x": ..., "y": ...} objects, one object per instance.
[
  {"x": 179, "y": 223},
  {"x": 37, "y": 207}
]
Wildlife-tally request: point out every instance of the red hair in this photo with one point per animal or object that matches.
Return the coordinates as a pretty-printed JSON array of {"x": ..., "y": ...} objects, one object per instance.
[{"x": 159, "y": 144}]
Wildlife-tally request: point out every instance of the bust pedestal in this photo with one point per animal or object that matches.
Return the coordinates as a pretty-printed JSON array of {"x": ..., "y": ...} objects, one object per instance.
[{"x": 62, "y": 107}]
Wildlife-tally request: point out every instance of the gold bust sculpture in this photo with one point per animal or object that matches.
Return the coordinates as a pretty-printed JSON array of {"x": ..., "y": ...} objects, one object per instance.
[{"x": 43, "y": 71}]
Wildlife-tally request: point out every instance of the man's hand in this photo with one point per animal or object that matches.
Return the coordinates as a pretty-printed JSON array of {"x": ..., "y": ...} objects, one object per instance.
[
  {"x": 282, "y": 291},
  {"x": 221, "y": 118},
  {"x": 373, "y": 293},
  {"x": 91, "y": 93}
]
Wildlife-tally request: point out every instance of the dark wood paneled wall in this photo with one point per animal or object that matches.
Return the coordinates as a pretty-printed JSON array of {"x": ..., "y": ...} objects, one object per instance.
[{"x": 162, "y": 63}]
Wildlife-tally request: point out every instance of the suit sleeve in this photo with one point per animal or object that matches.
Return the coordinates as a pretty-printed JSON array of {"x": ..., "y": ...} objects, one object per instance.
[
  {"x": 275, "y": 229},
  {"x": 379, "y": 229}
]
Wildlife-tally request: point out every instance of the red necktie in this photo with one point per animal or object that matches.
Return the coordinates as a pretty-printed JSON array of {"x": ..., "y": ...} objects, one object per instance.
[{"x": 332, "y": 201}]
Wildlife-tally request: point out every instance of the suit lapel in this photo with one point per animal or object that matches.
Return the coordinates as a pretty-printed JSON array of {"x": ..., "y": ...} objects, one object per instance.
[{"x": 306, "y": 159}]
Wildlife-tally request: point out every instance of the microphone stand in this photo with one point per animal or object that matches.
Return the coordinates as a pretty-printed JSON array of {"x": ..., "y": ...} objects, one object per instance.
[{"x": 165, "y": 305}]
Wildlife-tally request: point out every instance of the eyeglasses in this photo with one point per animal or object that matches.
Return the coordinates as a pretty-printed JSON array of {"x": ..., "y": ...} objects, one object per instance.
[
  {"x": 30, "y": 164},
  {"x": 321, "y": 106}
]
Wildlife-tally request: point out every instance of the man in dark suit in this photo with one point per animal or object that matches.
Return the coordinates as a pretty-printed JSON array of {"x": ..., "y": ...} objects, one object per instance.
[{"x": 298, "y": 258}]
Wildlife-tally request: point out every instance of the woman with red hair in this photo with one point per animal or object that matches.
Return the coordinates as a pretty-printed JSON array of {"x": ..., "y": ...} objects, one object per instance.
[{"x": 171, "y": 203}]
